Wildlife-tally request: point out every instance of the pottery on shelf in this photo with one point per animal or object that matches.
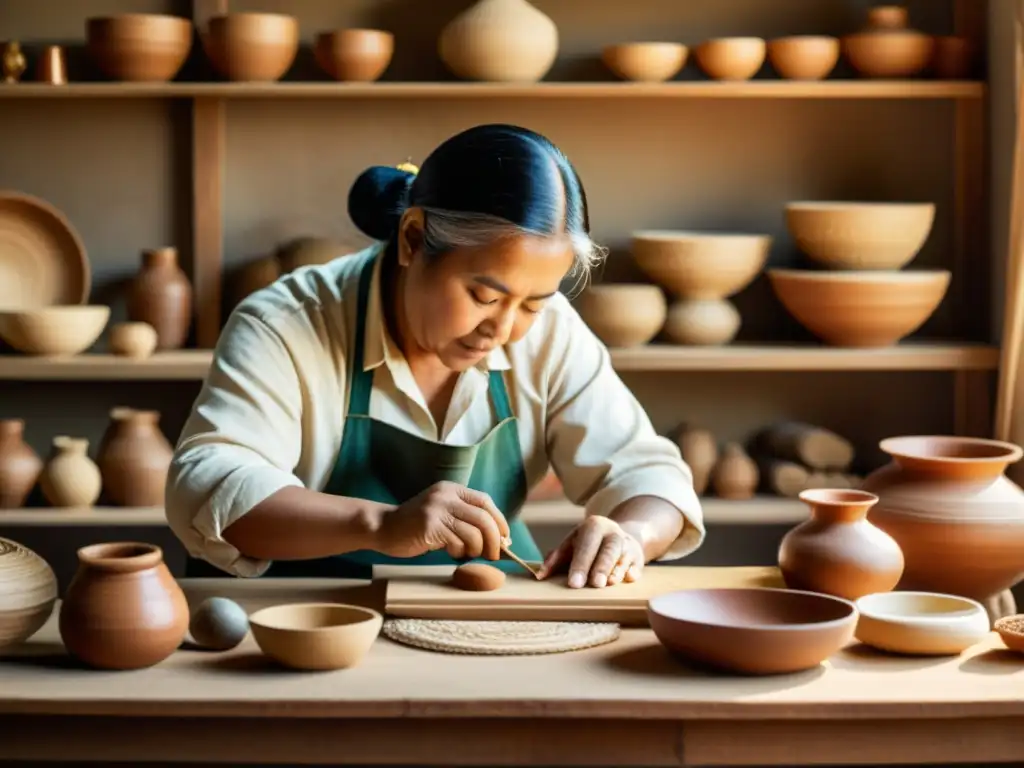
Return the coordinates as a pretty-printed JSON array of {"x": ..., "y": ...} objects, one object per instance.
[
  {"x": 624, "y": 315},
  {"x": 134, "y": 457},
  {"x": 161, "y": 295},
  {"x": 70, "y": 478},
  {"x": 731, "y": 58},
  {"x": 500, "y": 41},
  {"x": 251, "y": 47},
  {"x": 888, "y": 47},
  {"x": 645, "y": 62},
  {"x": 953, "y": 58},
  {"x": 837, "y": 551},
  {"x": 803, "y": 57},
  {"x": 139, "y": 47},
  {"x": 134, "y": 340},
  {"x": 735, "y": 475},
  {"x": 123, "y": 609},
  {"x": 354, "y": 55},
  {"x": 28, "y": 591},
  {"x": 19, "y": 464},
  {"x": 699, "y": 450},
  {"x": 60, "y": 330}
]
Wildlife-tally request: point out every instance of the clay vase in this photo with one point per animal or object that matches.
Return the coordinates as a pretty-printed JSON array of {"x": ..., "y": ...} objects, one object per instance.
[
  {"x": 19, "y": 464},
  {"x": 699, "y": 450},
  {"x": 122, "y": 609},
  {"x": 957, "y": 518},
  {"x": 837, "y": 551},
  {"x": 887, "y": 47},
  {"x": 70, "y": 478},
  {"x": 161, "y": 295},
  {"x": 506, "y": 41},
  {"x": 133, "y": 458},
  {"x": 735, "y": 475},
  {"x": 28, "y": 590}
]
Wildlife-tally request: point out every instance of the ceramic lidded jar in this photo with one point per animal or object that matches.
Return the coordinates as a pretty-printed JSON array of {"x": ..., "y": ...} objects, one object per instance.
[
  {"x": 70, "y": 478},
  {"x": 123, "y": 609},
  {"x": 837, "y": 551},
  {"x": 28, "y": 590},
  {"x": 134, "y": 457},
  {"x": 19, "y": 464},
  {"x": 161, "y": 295},
  {"x": 887, "y": 46}
]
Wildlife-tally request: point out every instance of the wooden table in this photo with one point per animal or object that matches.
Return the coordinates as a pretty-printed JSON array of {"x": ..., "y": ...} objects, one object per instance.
[{"x": 623, "y": 704}]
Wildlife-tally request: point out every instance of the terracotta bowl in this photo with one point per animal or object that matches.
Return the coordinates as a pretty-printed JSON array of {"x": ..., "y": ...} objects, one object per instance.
[
  {"x": 354, "y": 55},
  {"x": 920, "y": 623},
  {"x": 1011, "y": 630},
  {"x": 860, "y": 309},
  {"x": 731, "y": 58},
  {"x": 753, "y": 631},
  {"x": 700, "y": 265},
  {"x": 894, "y": 54},
  {"x": 804, "y": 57},
  {"x": 59, "y": 330},
  {"x": 254, "y": 47},
  {"x": 316, "y": 636},
  {"x": 840, "y": 235},
  {"x": 139, "y": 47},
  {"x": 645, "y": 62},
  {"x": 623, "y": 315}
]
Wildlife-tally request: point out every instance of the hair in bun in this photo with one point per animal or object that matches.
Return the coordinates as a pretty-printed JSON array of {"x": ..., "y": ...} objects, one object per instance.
[{"x": 378, "y": 199}]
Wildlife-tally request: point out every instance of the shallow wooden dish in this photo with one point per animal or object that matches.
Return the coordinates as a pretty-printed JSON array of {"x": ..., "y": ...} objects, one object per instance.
[
  {"x": 354, "y": 55},
  {"x": 139, "y": 47},
  {"x": 700, "y": 265},
  {"x": 63, "y": 331},
  {"x": 252, "y": 47},
  {"x": 920, "y": 623},
  {"x": 316, "y": 636},
  {"x": 645, "y": 62}
]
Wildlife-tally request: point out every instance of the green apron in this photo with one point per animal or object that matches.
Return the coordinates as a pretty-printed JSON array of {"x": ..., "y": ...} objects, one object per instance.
[{"x": 382, "y": 463}]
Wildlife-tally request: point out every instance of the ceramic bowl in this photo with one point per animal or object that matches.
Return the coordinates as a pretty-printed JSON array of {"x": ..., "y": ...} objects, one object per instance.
[
  {"x": 139, "y": 47},
  {"x": 645, "y": 62},
  {"x": 840, "y": 235},
  {"x": 753, "y": 631},
  {"x": 354, "y": 55},
  {"x": 700, "y": 265},
  {"x": 623, "y": 315},
  {"x": 860, "y": 309},
  {"x": 804, "y": 57},
  {"x": 1011, "y": 630},
  {"x": 316, "y": 636},
  {"x": 135, "y": 340},
  {"x": 893, "y": 54},
  {"x": 253, "y": 47},
  {"x": 731, "y": 58},
  {"x": 58, "y": 330},
  {"x": 920, "y": 623}
]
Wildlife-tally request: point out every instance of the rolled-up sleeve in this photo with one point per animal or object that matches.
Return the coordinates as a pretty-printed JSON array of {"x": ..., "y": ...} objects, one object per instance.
[
  {"x": 601, "y": 442},
  {"x": 240, "y": 444}
]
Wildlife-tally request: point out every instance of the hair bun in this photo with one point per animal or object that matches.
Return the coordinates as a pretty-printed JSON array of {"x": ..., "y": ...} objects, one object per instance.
[{"x": 378, "y": 199}]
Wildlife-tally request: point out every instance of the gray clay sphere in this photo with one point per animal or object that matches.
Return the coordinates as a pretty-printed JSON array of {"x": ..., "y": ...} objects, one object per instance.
[{"x": 218, "y": 624}]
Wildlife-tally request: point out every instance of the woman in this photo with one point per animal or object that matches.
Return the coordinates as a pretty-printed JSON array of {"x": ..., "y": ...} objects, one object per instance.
[{"x": 396, "y": 405}]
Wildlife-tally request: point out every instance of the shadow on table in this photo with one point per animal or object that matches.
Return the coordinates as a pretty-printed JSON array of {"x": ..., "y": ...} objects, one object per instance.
[{"x": 997, "y": 661}]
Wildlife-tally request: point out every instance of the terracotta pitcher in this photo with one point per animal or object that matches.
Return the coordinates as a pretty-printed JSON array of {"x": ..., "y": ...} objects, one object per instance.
[
  {"x": 133, "y": 458},
  {"x": 161, "y": 295},
  {"x": 19, "y": 464},
  {"x": 70, "y": 478},
  {"x": 837, "y": 551},
  {"x": 123, "y": 609}
]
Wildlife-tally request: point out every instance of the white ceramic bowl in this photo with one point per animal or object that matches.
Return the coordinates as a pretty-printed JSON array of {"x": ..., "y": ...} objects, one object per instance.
[{"x": 920, "y": 623}]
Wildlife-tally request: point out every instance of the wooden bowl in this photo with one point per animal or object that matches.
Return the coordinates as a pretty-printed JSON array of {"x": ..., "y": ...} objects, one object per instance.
[
  {"x": 920, "y": 623},
  {"x": 1011, "y": 630},
  {"x": 804, "y": 57},
  {"x": 841, "y": 235},
  {"x": 623, "y": 315},
  {"x": 893, "y": 54},
  {"x": 731, "y": 58},
  {"x": 253, "y": 47},
  {"x": 58, "y": 330},
  {"x": 316, "y": 636},
  {"x": 354, "y": 55},
  {"x": 700, "y": 265},
  {"x": 860, "y": 309},
  {"x": 645, "y": 62},
  {"x": 139, "y": 47},
  {"x": 753, "y": 631}
]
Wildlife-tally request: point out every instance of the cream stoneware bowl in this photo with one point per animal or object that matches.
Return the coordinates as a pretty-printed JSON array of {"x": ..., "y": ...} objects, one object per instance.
[
  {"x": 623, "y": 315},
  {"x": 645, "y": 62},
  {"x": 920, "y": 623},
  {"x": 316, "y": 636},
  {"x": 57, "y": 330},
  {"x": 700, "y": 265}
]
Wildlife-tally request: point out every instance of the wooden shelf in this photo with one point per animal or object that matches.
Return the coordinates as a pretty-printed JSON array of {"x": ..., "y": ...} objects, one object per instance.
[{"x": 772, "y": 89}]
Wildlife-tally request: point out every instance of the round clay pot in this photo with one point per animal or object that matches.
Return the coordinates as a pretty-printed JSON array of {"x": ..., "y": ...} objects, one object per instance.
[
  {"x": 623, "y": 315},
  {"x": 135, "y": 340},
  {"x": 837, "y": 551},
  {"x": 28, "y": 590},
  {"x": 887, "y": 47},
  {"x": 699, "y": 450},
  {"x": 702, "y": 322},
  {"x": 19, "y": 464},
  {"x": 70, "y": 478},
  {"x": 957, "y": 518},
  {"x": 354, "y": 55},
  {"x": 161, "y": 295},
  {"x": 735, "y": 475},
  {"x": 123, "y": 609},
  {"x": 133, "y": 458}
]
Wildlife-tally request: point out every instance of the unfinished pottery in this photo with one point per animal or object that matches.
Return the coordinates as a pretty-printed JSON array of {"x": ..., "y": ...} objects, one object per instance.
[
  {"x": 28, "y": 591},
  {"x": 161, "y": 295},
  {"x": 316, "y": 636},
  {"x": 134, "y": 457},
  {"x": 70, "y": 478},
  {"x": 735, "y": 475},
  {"x": 19, "y": 464}
]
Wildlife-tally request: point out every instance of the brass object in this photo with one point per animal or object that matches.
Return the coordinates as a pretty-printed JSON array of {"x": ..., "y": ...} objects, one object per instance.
[
  {"x": 51, "y": 67},
  {"x": 14, "y": 63}
]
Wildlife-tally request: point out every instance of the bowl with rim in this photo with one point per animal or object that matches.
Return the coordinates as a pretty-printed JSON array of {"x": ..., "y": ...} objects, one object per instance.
[
  {"x": 803, "y": 57},
  {"x": 59, "y": 330},
  {"x": 920, "y": 623},
  {"x": 700, "y": 265},
  {"x": 251, "y": 47},
  {"x": 645, "y": 62},
  {"x": 139, "y": 47},
  {"x": 731, "y": 58},
  {"x": 316, "y": 636},
  {"x": 623, "y": 314}
]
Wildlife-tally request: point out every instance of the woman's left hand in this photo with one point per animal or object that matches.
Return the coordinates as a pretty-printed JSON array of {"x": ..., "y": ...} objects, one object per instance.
[{"x": 600, "y": 553}]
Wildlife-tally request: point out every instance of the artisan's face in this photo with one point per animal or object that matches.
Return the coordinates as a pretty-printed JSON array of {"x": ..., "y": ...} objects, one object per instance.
[{"x": 469, "y": 301}]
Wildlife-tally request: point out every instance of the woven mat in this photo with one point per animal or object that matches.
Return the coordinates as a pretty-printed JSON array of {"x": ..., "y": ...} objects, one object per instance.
[{"x": 500, "y": 638}]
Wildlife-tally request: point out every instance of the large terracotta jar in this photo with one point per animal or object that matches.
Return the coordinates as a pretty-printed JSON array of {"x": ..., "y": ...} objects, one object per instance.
[
  {"x": 161, "y": 295},
  {"x": 28, "y": 590},
  {"x": 957, "y": 518},
  {"x": 123, "y": 609},
  {"x": 70, "y": 478},
  {"x": 837, "y": 551},
  {"x": 133, "y": 458},
  {"x": 19, "y": 464}
]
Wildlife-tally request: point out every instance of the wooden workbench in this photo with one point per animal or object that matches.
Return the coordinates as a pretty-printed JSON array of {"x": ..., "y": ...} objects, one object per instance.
[{"x": 627, "y": 703}]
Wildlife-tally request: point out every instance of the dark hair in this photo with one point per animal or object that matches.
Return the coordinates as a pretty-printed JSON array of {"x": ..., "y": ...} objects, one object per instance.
[{"x": 482, "y": 184}]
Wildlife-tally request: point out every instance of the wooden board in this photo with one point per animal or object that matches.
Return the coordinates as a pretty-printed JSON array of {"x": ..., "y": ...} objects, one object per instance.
[{"x": 522, "y": 598}]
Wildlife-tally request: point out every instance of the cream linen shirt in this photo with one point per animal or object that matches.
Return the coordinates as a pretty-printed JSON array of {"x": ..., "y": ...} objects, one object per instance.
[{"x": 272, "y": 409}]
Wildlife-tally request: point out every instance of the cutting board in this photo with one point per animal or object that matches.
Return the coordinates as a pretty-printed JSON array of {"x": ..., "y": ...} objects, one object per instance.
[{"x": 523, "y": 598}]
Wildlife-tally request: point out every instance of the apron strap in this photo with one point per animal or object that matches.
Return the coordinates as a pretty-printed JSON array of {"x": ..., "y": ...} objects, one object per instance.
[{"x": 499, "y": 396}]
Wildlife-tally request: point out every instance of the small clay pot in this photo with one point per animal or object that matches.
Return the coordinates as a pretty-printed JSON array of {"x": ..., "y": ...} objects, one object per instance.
[
  {"x": 134, "y": 457},
  {"x": 134, "y": 340},
  {"x": 953, "y": 58},
  {"x": 735, "y": 475},
  {"x": 19, "y": 464},
  {"x": 70, "y": 478},
  {"x": 699, "y": 450},
  {"x": 161, "y": 295}
]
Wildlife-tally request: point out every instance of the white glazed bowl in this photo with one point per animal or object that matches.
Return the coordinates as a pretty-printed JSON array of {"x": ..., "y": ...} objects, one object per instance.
[{"x": 920, "y": 623}]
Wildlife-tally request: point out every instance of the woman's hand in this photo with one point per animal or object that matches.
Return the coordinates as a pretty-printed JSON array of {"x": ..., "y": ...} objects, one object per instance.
[
  {"x": 600, "y": 553},
  {"x": 448, "y": 516}
]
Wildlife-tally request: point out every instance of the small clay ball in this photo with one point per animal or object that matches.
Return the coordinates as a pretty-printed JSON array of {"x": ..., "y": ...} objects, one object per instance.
[
  {"x": 477, "y": 577},
  {"x": 218, "y": 624}
]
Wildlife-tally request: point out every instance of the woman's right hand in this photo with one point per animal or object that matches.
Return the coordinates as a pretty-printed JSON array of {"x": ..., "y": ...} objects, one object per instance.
[{"x": 463, "y": 522}]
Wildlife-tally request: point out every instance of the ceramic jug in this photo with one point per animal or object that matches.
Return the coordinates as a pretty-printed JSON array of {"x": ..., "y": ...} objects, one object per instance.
[
  {"x": 19, "y": 464},
  {"x": 161, "y": 295},
  {"x": 134, "y": 457},
  {"x": 70, "y": 478}
]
